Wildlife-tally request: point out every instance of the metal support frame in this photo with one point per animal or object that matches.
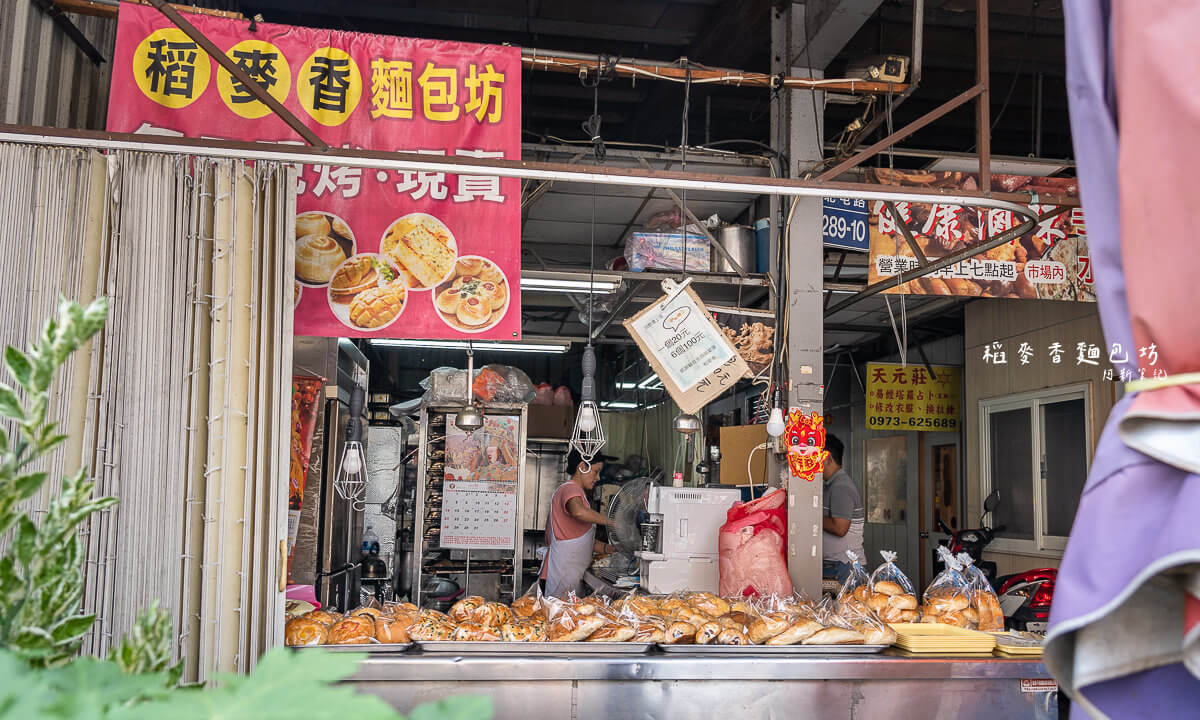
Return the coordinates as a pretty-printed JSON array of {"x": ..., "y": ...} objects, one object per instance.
[
  {"x": 633, "y": 290},
  {"x": 633, "y": 177},
  {"x": 238, "y": 73},
  {"x": 691, "y": 217},
  {"x": 952, "y": 258},
  {"x": 857, "y": 158},
  {"x": 983, "y": 121}
]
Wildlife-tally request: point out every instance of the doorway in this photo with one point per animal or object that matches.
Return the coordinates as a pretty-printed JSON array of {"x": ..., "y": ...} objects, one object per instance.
[{"x": 940, "y": 501}]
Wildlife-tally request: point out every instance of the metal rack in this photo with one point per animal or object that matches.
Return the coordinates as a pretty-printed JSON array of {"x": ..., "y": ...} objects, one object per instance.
[{"x": 433, "y": 424}]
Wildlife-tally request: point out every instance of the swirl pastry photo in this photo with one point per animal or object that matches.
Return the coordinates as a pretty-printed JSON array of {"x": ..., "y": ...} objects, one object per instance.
[
  {"x": 474, "y": 297},
  {"x": 323, "y": 241},
  {"x": 367, "y": 292},
  {"x": 423, "y": 247}
]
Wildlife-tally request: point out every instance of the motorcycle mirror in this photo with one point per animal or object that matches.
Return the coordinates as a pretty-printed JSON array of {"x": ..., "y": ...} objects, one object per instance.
[{"x": 992, "y": 502}]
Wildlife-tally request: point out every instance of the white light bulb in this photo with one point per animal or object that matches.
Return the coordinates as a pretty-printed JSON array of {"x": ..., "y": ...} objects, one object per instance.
[
  {"x": 775, "y": 426},
  {"x": 587, "y": 420},
  {"x": 352, "y": 464}
]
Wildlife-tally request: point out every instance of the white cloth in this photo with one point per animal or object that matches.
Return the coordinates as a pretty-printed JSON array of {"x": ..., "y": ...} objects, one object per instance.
[{"x": 567, "y": 560}]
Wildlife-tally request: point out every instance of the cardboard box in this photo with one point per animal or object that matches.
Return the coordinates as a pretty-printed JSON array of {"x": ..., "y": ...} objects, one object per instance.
[
  {"x": 737, "y": 442},
  {"x": 551, "y": 421}
]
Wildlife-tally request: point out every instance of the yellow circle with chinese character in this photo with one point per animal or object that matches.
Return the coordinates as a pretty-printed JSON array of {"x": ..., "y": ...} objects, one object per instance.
[
  {"x": 329, "y": 86},
  {"x": 263, "y": 62},
  {"x": 171, "y": 69}
]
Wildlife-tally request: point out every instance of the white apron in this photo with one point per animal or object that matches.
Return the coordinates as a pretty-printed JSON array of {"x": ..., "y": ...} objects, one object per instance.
[{"x": 566, "y": 560}]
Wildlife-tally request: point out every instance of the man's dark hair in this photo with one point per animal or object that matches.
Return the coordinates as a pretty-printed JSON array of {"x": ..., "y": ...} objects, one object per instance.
[{"x": 835, "y": 448}]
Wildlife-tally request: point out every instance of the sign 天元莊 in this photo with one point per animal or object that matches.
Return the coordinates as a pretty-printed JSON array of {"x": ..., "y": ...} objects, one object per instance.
[
  {"x": 911, "y": 398},
  {"x": 845, "y": 224},
  {"x": 684, "y": 345},
  {"x": 378, "y": 253}
]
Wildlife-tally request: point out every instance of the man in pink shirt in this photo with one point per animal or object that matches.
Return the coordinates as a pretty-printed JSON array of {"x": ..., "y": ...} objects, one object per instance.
[{"x": 571, "y": 528}]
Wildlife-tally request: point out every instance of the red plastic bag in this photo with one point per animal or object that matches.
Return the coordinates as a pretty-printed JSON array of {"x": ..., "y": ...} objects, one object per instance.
[
  {"x": 752, "y": 548},
  {"x": 543, "y": 394}
]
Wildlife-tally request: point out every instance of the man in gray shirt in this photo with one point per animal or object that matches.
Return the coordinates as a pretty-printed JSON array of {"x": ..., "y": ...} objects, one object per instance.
[{"x": 844, "y": 516}]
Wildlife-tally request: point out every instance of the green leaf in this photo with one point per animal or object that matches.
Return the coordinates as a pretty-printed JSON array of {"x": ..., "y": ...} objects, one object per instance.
[
  {"x": 10, "y": 406},
  {"x": 463, "y": 707},
  {"x": 18, "y": 365},
  {"x": 23, "y": 692},
  {"x": 90, "y": 688},
  {"x": 26, "y": 485},
  {"x": 285, "y": 684},
  {"x": 94, "y": 316},
  {"x": 71, "y": 628},
  {"x": 25, "y": 540}
]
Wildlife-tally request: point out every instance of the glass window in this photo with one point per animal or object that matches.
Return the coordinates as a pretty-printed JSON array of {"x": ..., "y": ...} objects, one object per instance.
[
  {"x": 1012, "y": 471},
  {"x": 1037, "y": 448},
  {"x": 1064, "y": 462}
]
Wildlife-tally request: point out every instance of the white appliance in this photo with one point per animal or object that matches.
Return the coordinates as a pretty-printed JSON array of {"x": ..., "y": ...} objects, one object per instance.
[{"x": 687, "y": 542}]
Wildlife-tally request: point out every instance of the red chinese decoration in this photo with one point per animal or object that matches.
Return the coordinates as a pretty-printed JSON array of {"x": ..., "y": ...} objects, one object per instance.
[{"x": 805, "y": 444}]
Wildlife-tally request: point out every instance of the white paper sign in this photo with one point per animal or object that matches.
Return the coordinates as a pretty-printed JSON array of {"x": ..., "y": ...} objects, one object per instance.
[{"x": 681, "y": 336}]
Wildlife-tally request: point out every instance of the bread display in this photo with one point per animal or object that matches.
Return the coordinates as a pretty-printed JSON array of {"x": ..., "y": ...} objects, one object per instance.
[
  {"x": 313, "y": 223},
  {"x": 692, "y": 618},
  {"x": 423, "y": 246}
]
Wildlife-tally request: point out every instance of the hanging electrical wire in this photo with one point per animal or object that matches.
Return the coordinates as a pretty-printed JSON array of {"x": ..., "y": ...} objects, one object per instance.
[{"x": 605, "y": 70}]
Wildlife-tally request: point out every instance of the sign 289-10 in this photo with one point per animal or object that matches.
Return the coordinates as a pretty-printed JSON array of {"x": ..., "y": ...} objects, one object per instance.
[{"x": 892, "y": 421}]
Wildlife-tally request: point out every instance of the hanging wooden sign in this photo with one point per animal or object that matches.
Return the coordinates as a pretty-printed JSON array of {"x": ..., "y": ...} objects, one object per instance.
[{"x": 685, "y": 346}]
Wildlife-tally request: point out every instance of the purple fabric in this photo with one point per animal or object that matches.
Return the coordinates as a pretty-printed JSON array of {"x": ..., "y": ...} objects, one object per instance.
[
  {"x": 1134, "y": 510},
  {"x": 1166, "y": 692}
]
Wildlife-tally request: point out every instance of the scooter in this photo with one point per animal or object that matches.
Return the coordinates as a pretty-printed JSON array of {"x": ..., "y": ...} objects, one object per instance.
[
  {"x": 973, "y": 541},
  {"x": 1025, "y": 598}
]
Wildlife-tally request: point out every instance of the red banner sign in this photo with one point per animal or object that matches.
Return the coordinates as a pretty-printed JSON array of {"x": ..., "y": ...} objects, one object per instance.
[{"x": 378, "y": 253}]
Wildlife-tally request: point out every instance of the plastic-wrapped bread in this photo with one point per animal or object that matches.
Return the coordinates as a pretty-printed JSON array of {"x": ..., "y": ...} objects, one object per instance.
[
  {"x": 474, "y": 632},
  {"x": 650, "y": 631},
  {"x": 797, "y": 632},
  {"x": 732, "y": 637},
  {"x": 768, "y": 626},
  {"x": 707, "y": 603},
  {"x": 325, "y": 617},
  {"x": 525, "y": 606},
  {"x": 492, "y": 615},
  {"x": 834, "y": 636},
  {"x": 612, "y": 632},
  {"x": 352, "y": 630},
  {"x": 708, "y": 632},
  {"x": 431, "y": 626},
  {"x": 304, "y": 632},
  {"x": 461, "y": 611},
  {"x": 874, "y": 634},
  {"x": 878, "y": 602},
  {"x": 390, "y": 629},
  {"x": 680, "y": 633},
  {"x": 887, "y": 587},
  {"x": 569, "y": 627}
]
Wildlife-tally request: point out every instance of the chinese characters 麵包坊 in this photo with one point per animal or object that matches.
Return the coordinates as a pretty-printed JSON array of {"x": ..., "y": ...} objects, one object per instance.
[{"x": 1122, "y": 367}]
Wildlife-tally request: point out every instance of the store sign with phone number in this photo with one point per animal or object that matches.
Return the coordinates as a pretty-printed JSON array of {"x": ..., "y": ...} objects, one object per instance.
[
  {"x": 389, "y": 254},
  {"x": 912, "y": 398}
]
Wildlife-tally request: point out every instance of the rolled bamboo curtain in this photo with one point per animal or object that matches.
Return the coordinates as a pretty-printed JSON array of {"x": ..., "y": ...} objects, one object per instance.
[{"x": 181, "y": 407}]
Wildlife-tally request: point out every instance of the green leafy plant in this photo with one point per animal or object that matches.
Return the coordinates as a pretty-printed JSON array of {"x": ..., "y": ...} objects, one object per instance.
[
  {"x": 41, "y": 587},
  {"x": 41, "y": 580}
]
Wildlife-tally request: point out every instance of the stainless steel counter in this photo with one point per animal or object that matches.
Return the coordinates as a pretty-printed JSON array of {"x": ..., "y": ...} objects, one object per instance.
[{"x": 688, "y": 686}]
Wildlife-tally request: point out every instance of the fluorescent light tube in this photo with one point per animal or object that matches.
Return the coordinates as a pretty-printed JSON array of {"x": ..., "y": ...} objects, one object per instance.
[
  {"x": 613, "y": 405},
  {"x": 578, "y": 281},
  {"x": 533, "y": 346}
]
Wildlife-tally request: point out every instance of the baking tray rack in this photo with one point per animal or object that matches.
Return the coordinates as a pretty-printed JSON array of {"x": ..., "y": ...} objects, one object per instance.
[
  {"x": 371, "y": 647},
  {"x": 535, "y": 648},
  {"x": 760, "y": 650}
]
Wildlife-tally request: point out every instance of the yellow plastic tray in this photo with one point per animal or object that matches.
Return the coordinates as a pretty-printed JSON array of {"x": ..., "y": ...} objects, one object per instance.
[
  {"x": 937, "y": 638},
  {"x": 1017, "y": 644}
]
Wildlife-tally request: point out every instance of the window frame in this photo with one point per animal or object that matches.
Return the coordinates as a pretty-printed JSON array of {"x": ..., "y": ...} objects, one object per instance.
[{"x": 1042, "y": 542}]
